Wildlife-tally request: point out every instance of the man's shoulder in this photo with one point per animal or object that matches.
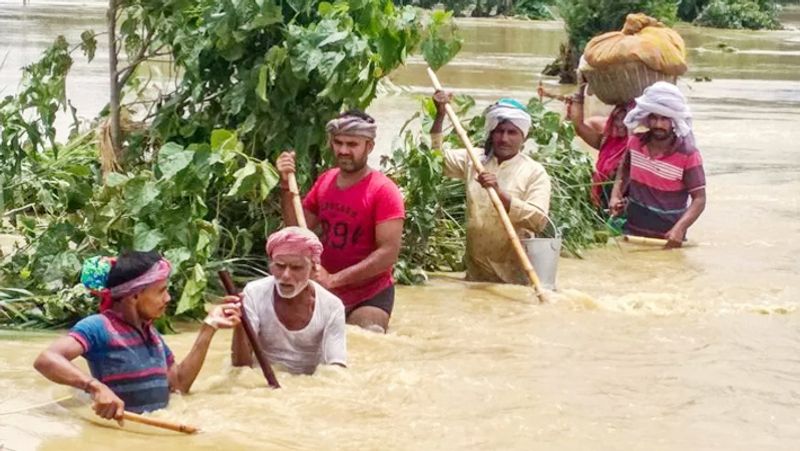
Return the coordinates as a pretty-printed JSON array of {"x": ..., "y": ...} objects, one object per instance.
[
  {"x": 531, "y": 165},
  {"x": 635, "y": 140},
  {"x": 259, "y": 286},
  {"x": 325, "y": 178},
  {"x": 328, "y": 301},
  {"x": 381, "y": 183},
  {"x": 94, "y": 321}
]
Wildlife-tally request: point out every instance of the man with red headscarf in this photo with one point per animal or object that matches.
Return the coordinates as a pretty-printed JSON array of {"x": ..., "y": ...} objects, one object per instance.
[{"x": 299, "y": 323}]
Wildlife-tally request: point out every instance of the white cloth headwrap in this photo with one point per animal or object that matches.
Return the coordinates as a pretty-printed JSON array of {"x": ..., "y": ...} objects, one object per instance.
[
  {"x": 664, "y": 99},
  {"x": 352, "y": 125},
  {"x": 504, "y": 110}
]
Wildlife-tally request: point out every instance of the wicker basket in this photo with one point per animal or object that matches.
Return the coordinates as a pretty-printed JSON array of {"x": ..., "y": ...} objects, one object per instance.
[{"x": 622, "y": 82}]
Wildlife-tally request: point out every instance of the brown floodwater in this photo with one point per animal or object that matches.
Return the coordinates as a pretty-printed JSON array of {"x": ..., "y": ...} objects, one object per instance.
[{"x": 642, "y": 349}]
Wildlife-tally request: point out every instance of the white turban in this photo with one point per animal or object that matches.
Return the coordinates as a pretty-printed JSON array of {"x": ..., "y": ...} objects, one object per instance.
[
  {"x": 508, "y": 110},
  {"x": 664, "y": 99}
]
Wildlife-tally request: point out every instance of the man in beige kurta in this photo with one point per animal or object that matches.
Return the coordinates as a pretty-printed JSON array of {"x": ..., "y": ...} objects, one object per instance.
[{"x": 521, "y": 183}]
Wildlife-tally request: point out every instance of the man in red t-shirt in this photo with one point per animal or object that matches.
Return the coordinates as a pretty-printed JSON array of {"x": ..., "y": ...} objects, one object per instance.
[{"x": 358, "y": 213}]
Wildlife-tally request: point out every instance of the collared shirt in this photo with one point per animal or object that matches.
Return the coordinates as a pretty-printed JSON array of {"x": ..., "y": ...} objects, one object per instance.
[
  {"x": 132, "y": 363},
  {"x": 658, "y": 194},
  {"x": 490, "y": 255}
]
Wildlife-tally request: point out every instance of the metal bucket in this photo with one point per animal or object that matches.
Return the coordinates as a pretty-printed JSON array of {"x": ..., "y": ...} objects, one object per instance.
[{"x": 543, "y": 254}]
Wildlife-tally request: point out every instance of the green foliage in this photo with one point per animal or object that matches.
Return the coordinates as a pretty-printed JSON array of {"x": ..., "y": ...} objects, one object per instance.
[
  {"x": 27, "y": 119},
  {"x": 168, "y": 208},
  {"x": 434, "y": 231},
  {"x": 531, "y": 9},
  {"x": 434, "y": 234},
  {"x": 751, "y": 14},
  {"x": 441, "y": 42},
  {"x": 570, "y": 170},
  {"x": 585, "y": 19},
  {"x": 534, "y": 9}
]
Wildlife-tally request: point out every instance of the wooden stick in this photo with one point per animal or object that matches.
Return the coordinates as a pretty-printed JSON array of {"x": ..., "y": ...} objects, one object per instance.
[
  {"x": 163, "y": 424},
  {"x": 645, "y": 240},
  {"x": 296, "y": 203},
  {"x": 498, "y": 204},
  {"x": 542, "y": 93},
  {"x": 261, "y": 356}
]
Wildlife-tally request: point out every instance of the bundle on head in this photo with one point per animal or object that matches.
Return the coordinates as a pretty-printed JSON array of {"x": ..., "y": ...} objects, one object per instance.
[{"x": 619, "y": 65}]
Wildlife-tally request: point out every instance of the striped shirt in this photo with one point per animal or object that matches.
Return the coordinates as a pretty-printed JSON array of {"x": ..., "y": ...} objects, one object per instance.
[
  {"x": 659, "y": 189},
  {"x": 133, "y": 365}
]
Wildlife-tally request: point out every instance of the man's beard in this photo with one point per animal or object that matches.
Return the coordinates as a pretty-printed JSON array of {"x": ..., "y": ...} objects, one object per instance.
[
  {"x": 350, "y": 165},
  {"x": 659, "y": 134},
  {"x": 299, "y": 289}
]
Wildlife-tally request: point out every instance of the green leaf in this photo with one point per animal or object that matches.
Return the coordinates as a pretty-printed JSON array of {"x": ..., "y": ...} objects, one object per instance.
[
  {"x": 269, "y": 178},
  {"x": 442, "y": 41},
  {"x": 140, "y": 194},
  {"x": 89, "y": 44},
  {"x": 224, "y": 141},
  {"x": 173, "y": 159},
  {"x": 245, "y": 177},
  {"x": 177, "y": 256},
  {"x": 114, "y": 179},
  {"x": 78, "y": 170},
  {"x": 144, "y": 238},
  {"x": 261, "y": 89},
  {"x": 192, "y": 295}
]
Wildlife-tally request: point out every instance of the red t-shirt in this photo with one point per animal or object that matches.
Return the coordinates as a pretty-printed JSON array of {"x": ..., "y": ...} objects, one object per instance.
[{"x": 348, "y": 218}]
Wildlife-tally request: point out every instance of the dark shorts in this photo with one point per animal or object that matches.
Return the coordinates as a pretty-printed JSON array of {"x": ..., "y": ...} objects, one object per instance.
[{"x": 384, "y": 300}]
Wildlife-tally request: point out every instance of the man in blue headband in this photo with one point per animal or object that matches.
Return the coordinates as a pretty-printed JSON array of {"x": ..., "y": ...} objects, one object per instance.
[{"x": 522, "y": 184}]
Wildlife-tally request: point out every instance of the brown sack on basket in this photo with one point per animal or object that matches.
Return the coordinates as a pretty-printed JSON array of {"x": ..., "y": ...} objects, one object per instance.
[
  {"x": 642, "y": 39},
  {"x": 619, "y": 65}
]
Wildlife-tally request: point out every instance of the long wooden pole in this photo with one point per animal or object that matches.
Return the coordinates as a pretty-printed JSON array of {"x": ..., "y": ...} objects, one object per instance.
[
  {"x": 498, "y": 204},
  {"x": 261, "y": 356},
  {"x": 645, "y": 240},
  {"x": 296, "y": 203},
  {"x": 163, "y": 424}
]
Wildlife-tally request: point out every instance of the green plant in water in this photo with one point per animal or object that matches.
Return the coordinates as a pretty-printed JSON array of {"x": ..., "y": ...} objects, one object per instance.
[{"x": 751, "y": 14}]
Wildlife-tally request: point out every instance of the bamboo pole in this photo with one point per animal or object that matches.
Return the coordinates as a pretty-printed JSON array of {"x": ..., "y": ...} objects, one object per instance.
[
  {"x": 296, "y": 203},
  {"x": 645, "y": 240},
  {"x": 261, "y": 356},
  {"x": 163, "y": 424},
  {"x": 498, "y": 204}
]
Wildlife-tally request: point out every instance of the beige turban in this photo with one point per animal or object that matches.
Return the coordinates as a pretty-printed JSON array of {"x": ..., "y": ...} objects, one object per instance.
[{"x": 352, "y": 125}]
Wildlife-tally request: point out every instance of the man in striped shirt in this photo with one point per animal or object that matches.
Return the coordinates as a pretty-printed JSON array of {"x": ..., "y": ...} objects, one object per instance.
[
  {"x": 662, "y": 169},
  {"x": 130, "y": 364}
]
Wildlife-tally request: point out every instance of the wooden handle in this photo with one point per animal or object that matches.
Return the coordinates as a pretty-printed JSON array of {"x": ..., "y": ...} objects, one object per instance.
[
  {"x": 645, "y": 240},
  {"x": 163, "y": 424},
  {"x": 261, "y": 356},
  {"x": 550, "y": 95},
  {"x": 296, "y": 203},
  {"x": 498, "y": 204}
]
